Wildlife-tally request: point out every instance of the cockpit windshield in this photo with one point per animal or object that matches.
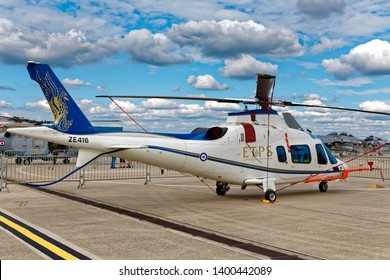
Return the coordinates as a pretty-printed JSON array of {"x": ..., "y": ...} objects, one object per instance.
[{"x": 331, "y": 157}]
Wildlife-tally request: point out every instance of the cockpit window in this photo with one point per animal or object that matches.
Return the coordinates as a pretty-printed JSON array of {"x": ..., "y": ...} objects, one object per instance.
[
  {"x": 331, "y": 157},
  {"x": 321, "y": 156},
  {"x": 300, "y": 154}
]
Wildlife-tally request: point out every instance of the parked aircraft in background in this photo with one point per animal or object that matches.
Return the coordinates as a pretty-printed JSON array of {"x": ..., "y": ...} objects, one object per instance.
[
  {"x": 341, "y": 141},
  {"x": 372, "y": 141},
  {"x": 25, "y": 149}
]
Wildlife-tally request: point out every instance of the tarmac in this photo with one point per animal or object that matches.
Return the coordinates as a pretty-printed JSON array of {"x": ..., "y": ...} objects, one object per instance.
[{"x": 183, "y": 219}]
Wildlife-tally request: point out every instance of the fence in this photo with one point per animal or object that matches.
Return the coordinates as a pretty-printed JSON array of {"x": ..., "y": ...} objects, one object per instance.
[
  {"x": 49, "y": 168},
  {"x": 379, "y": 162}
]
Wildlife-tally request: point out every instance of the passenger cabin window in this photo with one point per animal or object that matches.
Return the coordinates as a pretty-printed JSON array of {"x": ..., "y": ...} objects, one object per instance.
[
  {"x": 321, "y": 156},
  {"x": 281, "y": 152},
  {"x": 300, "y": 154}
]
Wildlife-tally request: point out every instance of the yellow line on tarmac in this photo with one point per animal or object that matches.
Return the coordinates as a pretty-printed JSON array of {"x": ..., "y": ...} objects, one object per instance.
[{"x": 58, "y": 251}]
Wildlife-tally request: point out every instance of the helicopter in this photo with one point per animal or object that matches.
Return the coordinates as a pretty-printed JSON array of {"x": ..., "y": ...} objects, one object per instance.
[
  {"x": 27, "y": 149},
  {"x": 252, "y": 148}
]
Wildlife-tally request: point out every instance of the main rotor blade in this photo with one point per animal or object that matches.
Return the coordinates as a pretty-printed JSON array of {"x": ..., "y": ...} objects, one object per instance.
[
  {"x": 252, "y": 101},
  {"x": 287, "y": 103},
  {"x": 222, "y": 100}
]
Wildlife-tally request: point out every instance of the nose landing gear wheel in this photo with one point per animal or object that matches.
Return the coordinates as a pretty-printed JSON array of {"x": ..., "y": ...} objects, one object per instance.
[
  {"x": 270, "y": 195},
  {"x": 323, "y": 186}
]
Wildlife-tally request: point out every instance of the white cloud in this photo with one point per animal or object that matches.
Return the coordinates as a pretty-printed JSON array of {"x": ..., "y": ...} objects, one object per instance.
[
  {"x": 190, "y": 110},
  {"x": 64, "y": 49},
  {"x": 313, "y": 100},
  {"x": 74, "y": 83},
  {"x": 195, "y": 10},
  {"x": 86, "y": 102},
  {"x": 246, "y": 67},
  {"x": 327, "y": 45},
  {"x": 371, "y": 58},
  {"x": 205, "y": 82},
  {"x": 339, "y": 69},
  {"x": 158, "y": 103},
  {"x": 99, "y": 110},
  {"x": 125, "y": 105},
  {"x": 315, "y": 97},
  {"x": 113, "y": 110},
  {"x": 374, "y": 22},
  {"x": 356, "y": 82},
  {"x": 156, "y": 49},
  {"x": 375, "y": 106},
  {"x": 218, "y": 28},
  {"x": 231, "y": 38},
  {"x": 101, "y": 88},
  {"x": 214, "y": 105},
  {"x": 40, "y": 104},
  {"x": 5, "y": 104},
  {"x": 311, "y": 97},
  {"x": 73, "y": 47}
]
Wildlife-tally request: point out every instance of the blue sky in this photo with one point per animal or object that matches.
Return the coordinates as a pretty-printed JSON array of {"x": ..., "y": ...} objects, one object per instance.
[{"x": 331, "y": 52}]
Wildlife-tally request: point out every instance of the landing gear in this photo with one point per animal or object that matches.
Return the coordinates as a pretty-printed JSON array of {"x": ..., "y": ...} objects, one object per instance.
[
  {"x": 270, "y": 195},
  {"x": 323, "y": 186},
  {"x": 222, "y": 188}
]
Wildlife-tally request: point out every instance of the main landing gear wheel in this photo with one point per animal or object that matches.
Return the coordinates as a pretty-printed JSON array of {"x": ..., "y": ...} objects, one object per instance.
[
  {"x": 323, "y": 186},
  {"x": 222, "y": 188},
  {"x": 270, "y": 195}
]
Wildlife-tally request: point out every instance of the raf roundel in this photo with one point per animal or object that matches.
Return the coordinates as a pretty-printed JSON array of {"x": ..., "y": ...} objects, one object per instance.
[{"x": 203, "y": 156}]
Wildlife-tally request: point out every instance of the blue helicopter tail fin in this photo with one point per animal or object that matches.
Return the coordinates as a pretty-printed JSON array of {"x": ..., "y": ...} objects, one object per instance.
[{"x": 67, "y": 115}]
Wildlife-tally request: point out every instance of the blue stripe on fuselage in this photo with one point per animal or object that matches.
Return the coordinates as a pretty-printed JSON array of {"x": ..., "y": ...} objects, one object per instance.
[{"x": 240, "y": 164}]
